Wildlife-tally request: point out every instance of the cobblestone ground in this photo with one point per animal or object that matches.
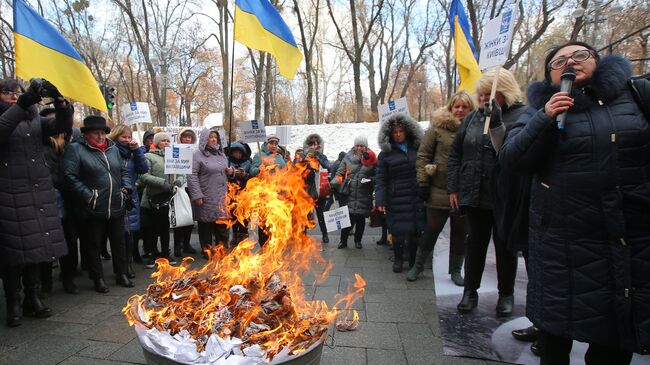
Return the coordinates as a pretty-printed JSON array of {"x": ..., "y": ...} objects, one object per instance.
[{"x": 399, "y": 320}]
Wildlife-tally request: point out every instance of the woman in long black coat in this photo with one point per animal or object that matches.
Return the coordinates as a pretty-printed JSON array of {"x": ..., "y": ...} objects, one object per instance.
[
  {"x": 396, "y": 191},
  {"x": 30, "y": 226},
  {"x": 469, "y": 173},
  {"x": 589, "y": 222}
]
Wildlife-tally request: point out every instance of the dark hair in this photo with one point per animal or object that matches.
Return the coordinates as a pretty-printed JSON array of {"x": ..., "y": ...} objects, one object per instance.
[
  {"x": 554, "y": 51},
  {"x": 11, "y": 85}
]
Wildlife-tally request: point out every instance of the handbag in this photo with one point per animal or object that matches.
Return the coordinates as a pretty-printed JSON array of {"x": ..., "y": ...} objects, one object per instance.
[
  {"x": 377, "y": 218},
  {"x": 180, "y": 209}
]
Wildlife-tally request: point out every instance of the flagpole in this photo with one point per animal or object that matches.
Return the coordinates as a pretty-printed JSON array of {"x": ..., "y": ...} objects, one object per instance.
[{"x": 232, "y": 77}]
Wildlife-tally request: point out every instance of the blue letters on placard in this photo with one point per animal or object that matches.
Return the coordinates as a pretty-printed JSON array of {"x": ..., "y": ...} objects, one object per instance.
[
  {"x": 505, "y": 21},
  {"x": 254, "y": 124},
  {"x": 176, "y": 152},
  {"x": 134, "y": 106}
]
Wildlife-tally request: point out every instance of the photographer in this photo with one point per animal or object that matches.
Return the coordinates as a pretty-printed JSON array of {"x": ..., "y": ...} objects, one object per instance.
[
  {"x": 135, "y": 163},
  {"x": 30, "y": 227}
]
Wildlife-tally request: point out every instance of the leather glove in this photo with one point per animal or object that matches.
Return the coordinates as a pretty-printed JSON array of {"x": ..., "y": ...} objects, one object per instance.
[
  {"x": 178, "y": 183},
  {"x": 31, "y": 96},
  {"x": 365, "y": 155},
  {"x": 496, "y": 118},
  {"x": 49, "y": 90},
  {"x": 424, "y": 193}
]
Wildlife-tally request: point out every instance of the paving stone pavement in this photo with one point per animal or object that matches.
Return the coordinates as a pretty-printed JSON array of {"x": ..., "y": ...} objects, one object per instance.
[{"x": 399, "y": 321}]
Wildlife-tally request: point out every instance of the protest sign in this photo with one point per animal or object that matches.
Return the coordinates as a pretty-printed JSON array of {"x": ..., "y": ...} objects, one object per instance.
[
  {"x": 178, "y": 159},
  {"x": 284, "y": 133},
  {"x": 497, "y": 38},
  {"x": 337, "y": 219},
  {"x": 252, "y": 131},
  {"x": 135, "y": 112},
  {"x": 392, "y": 107}
]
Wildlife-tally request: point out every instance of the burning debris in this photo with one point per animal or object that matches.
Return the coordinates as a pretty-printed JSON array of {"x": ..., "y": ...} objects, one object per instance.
[{"x": 245, "y": 304}]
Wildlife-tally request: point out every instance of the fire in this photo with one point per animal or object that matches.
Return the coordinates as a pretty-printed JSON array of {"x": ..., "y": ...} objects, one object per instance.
[{"x": 256, "y": 296}]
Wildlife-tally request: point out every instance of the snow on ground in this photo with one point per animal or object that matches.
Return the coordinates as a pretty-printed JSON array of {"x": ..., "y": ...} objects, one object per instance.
[{"x": 337, "y": 137}]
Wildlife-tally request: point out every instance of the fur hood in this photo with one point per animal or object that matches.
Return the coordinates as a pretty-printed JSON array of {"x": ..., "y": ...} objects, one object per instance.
[
  {"x": 442, "y": 118},
  {"x": 609, "y": 78},
  {"x": 185, "y": 130},
  {"x": 413, "y": 131},
  {"x": 321, "y": 143}
]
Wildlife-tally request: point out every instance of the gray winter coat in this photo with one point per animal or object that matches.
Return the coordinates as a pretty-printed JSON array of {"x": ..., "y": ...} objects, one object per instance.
[
  {"x": 359, "y": 197},
  {"x": 589, "y": 230},
  {"x": 208, "y": 181},
  {"x": 30, "y": 227}
]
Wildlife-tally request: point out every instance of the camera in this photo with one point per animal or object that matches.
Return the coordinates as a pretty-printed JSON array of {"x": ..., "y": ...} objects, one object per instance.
[{"x": 44, "y": 88}]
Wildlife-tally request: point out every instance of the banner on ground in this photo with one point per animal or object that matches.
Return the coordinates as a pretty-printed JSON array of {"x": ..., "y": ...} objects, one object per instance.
[
  {"x": 252, "y": 131},
  {"x": 392, "y": 107},
  {"x": 178, "y": 159},
  {"x": 135, "y": 112},
  {"x": 336, "y": 219},
  {"x": 497, "y": 38}
]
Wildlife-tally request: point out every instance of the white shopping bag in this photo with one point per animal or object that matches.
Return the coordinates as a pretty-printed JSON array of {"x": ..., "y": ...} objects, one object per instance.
[
  {"x": 180, "y": 209},
  {"x": 337, "y": 218}
]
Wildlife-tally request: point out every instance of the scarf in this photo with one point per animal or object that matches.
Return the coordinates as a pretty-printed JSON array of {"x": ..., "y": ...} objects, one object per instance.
[
  {"x": 102, "y": 147},
  {"x": 124, "y": 149}
]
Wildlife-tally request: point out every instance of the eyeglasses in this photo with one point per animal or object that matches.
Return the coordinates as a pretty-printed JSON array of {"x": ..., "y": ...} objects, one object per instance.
[
  {"x": 579, "y": 56},
  {"x": 12, "y": 93}
]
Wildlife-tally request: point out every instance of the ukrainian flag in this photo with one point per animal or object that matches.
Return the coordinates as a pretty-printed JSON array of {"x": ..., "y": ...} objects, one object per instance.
[
  {"x": 465, "y": 53},
  {"x": 41, "y": 51},
  {"x": 258, "y": 25}
]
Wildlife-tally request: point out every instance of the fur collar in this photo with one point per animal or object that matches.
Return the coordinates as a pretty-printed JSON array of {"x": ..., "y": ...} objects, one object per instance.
[
  {"x": 442, "y": 118},
  {"x": 609, "y": 78},
  {"x": 321, "y": 143},
  {"x": 413, "y": 131}
]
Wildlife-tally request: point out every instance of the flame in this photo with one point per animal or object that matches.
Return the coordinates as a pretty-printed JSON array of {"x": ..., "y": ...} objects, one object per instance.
[{"x": 257, "y": 296}]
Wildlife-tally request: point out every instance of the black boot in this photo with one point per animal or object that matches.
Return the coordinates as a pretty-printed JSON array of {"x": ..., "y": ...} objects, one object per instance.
[
  {"x": 528, "y": 334},
  {"x": 11, "y": 284},
  {"x": 69, "y": 286},
  {"x": 122, "y": 280},
  {"x": 412, "y": 250},
  {"x": 455, "y": 266},
  {"x": 32, "y": 305},
  {"x": 46, "y": 279},
  {"x": 326, "y": 238},
  {"x": 130, "y": 272},
  {"x": 100, "y": 285},
  {"x": 505, "y": 305},
  {"x": 398, "y": 250},
  {"x": 468, "y": 302},
  {"x": 187, "y": 248}
]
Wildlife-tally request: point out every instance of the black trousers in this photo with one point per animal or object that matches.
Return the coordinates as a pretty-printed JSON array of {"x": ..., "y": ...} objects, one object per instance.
[
  {"x": 554, "y": 350},
  {"x": 479, "y": 226},
  {"x": 358, "y": 222},
  {"x": 436, "y": 219},
  {"x": 92, "y": 233},
  {"x": 211, "y": 234},
  {"x": 70, "y": 262},
  {"x": 155, "y": 224},
  {"x": 320, "y": 208},
  {"x": 239, "y": 233},
  {"x": 182, "y": 236}
]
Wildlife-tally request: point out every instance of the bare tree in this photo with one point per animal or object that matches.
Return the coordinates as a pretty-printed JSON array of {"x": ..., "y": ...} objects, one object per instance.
[{"x": 308, "y": 31}]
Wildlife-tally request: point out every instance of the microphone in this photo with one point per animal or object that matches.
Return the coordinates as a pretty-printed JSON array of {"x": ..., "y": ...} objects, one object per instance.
[{"x": 566, "y": 83}]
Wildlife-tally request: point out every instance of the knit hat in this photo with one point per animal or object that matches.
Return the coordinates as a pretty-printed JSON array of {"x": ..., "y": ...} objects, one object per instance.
[
  {"x": 361, "y": 141},
  {"x": 159, "y": 137},
  {"x": 272, "y": 136}
]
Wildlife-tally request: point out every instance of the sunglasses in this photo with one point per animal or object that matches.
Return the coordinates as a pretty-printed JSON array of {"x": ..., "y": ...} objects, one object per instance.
[{"x": 579, "y": 56}]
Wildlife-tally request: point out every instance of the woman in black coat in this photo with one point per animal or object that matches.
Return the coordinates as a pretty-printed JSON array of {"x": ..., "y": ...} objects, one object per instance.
[
  {"x": 589, "y": 216},
  {"x": 469, "y": 172},
  {"x": 396, "y": 191},
  {"x": 98, "y": 180},
  {"x": 30, "y": 226}
]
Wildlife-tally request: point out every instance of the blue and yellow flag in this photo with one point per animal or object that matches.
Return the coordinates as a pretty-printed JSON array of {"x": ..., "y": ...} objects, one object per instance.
[
  {"x": 41, "y": 51},
  {"x": 464, "y": 50},
  {"x": 258, "y": 25}
]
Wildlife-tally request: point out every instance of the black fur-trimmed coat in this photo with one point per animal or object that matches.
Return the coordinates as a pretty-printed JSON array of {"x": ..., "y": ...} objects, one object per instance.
[
  {"x": 589, "y": 236},
  {"x": 396, "y": 185}
]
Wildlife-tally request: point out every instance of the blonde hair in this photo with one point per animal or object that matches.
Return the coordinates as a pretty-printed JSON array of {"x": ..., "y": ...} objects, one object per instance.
[
  {"x": 58, "y": 142},
  {"x": 506, "y": 85},
  {"x": 463, "y": 96},
  {"x": 119, "y": 130}
]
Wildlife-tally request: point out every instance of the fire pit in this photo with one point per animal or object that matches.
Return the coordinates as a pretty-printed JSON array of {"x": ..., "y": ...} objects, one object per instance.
[{"x": 246, "y": 306}]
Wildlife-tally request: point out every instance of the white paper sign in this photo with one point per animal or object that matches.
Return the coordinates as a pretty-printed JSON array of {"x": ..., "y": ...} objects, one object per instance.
[
  {"x": 497, "y": 38},
  {"x": 135, "y": 112},
  {"x": 337, "y": 219},
  {"x": 392, "y": 107},
  {"x": 178, "y": 159},
  {"x": 253, "y": 131},
  {"x": 284, "y": 133}
]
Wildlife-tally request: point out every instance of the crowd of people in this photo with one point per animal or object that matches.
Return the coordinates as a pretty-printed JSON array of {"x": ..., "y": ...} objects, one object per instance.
[{"x": 574, "y": 200}]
